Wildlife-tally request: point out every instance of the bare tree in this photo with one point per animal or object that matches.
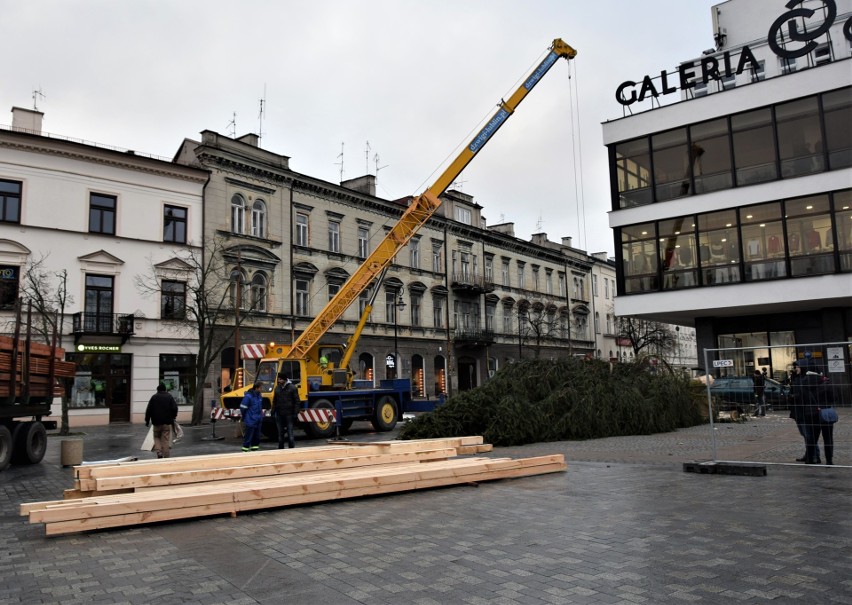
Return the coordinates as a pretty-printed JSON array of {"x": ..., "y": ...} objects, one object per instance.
[
  {"x": 539, "y": 323},
  {"x": 48, "y": 292},
  {"x": 208, "y": 313},
  {"x": 652, "y": 337}
]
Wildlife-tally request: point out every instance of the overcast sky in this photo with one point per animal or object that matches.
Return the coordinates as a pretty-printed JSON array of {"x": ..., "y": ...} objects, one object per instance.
[{"x": 413, "y": 77}]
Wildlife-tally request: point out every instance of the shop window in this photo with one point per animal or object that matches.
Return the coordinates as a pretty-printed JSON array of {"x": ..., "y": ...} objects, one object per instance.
[
  {"x": 9, "y": 284},
  {"x": 718, "y": 248},
  {"x": 763, "y": 242},
  {"x": 177, "y": 373},
  {"x": 843, "y": 225},
  {"x": 809, "y": 236},
  {"x": 678, "y": 258},
  {"x": 639, "y": 255}
]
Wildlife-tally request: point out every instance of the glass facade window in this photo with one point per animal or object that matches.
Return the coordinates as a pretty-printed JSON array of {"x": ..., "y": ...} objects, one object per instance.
[
  {"x": 808, "y": 232},
  {"x": 718, "y": 245},
  {"x": 363, "y": 242},
  {"x": 790, "y": 139},
  {"x": 671, "y": 164},
  {"x": 754, "y": 147},
  {"x": 711, "y": 156},
  {"x": 843, "y": 227},
  {"x": 302, "y": 297},
  {"x": 639, "y": 255},
  {"x": 837, "y": 112},
  {"x": 258, "y": 292},
  {"x": 633, "y": 172},
  {"x": 799, "y": 137},
  {"x": 678, "y": 258},
  {"x": 238, "y": 214},
  {"x": 763, "y": 242}
]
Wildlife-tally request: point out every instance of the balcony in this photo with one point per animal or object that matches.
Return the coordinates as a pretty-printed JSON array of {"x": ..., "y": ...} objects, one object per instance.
[
  {"x": 473, "y": 337},
  {"x": 102, "y": 325},
  {"x": 473, "y": 284}
]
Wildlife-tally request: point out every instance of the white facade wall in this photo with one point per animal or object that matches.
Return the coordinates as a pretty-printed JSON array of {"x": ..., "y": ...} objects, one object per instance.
[{"x": 58, "y": 178}]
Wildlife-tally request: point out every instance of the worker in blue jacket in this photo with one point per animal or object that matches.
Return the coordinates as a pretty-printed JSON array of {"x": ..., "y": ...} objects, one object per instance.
[{"x": 251, "y": 409}]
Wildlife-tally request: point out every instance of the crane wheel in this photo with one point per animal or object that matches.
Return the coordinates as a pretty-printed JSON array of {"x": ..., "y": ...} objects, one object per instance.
[
  {"x": 386, "y": 414},
  {"x": 5, "y": 446},
  {"x": 30, "y": 440},
  {"x": 321, "y": 430}
]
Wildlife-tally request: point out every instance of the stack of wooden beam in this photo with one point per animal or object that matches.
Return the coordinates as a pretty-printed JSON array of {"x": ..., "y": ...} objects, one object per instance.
[{"x": 132, "y": 493}]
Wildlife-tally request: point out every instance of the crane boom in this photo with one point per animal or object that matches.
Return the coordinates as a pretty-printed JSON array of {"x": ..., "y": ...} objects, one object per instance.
[{"x": 419, "y": 211}]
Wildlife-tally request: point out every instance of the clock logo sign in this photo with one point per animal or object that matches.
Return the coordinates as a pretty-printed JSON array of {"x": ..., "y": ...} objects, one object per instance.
[{"x": 777, "y": 34}]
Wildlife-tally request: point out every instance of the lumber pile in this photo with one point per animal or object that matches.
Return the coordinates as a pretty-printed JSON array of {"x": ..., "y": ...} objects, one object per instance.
[{"x": 132, "y": 493}]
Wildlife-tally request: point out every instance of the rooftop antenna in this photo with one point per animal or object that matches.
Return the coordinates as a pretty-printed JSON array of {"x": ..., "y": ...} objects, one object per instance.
[
  {"x": 260, "y": 117},
  {"x": 233, "y": 126},
  {"x": 376, "y": 160},
  {"x": 367, "y": 159},
  {"x": 502, "y": 218},
  {"x": 538, "y": 223},
  {"x": 458, "y": 185},
  {"x": 36, "y": 94},
  {"x": 340, "y": 163}
]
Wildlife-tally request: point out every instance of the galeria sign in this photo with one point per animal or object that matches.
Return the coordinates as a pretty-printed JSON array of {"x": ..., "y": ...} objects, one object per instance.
[{"x": 711, "y": 68}]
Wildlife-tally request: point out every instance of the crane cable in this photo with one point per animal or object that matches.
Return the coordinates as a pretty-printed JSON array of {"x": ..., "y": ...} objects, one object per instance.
[{"x": 576, "y": 152}]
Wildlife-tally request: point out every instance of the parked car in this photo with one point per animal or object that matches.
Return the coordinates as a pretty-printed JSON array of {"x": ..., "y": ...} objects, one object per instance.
[{"x": 740, "y": 390}]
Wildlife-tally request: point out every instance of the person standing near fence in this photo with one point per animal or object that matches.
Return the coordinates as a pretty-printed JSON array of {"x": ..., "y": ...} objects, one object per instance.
[
  {"x": 796, "y": 407},
  {"x": 809, "y": 386},
  {"x": 759, "y": 395}
]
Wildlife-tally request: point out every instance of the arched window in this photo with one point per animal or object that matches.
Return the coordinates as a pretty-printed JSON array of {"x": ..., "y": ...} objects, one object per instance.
[
  {"x": 238, "y": 214},
  {"x": 258, "y": 292},
  {"x": 238, "y": 290},
  {"x": 258, "y": 219}
]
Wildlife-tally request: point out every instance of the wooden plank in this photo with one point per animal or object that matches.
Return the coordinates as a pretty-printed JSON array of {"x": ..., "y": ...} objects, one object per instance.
[
  {"x": 277, "y": 487},
  {"x": 78, "y": 525},
  {"x": 262, "y": 470}
]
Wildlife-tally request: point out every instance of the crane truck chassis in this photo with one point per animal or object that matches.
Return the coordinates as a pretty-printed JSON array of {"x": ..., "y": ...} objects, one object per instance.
[{"x": 330, "y": 385}]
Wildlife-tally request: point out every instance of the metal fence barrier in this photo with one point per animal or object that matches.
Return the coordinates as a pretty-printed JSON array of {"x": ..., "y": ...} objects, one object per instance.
[{"x": 784, "y": 396}]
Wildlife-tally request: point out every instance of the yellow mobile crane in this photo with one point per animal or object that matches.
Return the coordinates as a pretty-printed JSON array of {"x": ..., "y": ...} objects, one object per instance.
[{"x": 329, "y": 385}]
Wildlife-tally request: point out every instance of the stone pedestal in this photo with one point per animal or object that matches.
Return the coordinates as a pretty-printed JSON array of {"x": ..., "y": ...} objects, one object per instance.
[{"x": 71, "y": 452}]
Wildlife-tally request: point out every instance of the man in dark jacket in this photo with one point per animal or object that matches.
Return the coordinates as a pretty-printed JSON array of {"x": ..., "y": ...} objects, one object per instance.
[
  {"x": 162, "y": 410},
  {"x": 285, "y": 406}
]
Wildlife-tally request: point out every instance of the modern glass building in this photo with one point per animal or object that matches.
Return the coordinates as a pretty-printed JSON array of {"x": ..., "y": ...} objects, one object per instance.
[{"x": 732, "y": 204}]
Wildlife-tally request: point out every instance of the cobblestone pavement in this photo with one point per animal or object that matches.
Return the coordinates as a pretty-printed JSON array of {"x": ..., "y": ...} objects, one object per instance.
[{"x": 624, "y": 525}]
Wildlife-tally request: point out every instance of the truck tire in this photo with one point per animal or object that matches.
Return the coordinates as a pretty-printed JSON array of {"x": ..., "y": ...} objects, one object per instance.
[
  {"x": 320, "y": 430},
  {"x": 5, "y": 446},
  {"x": 30, "y": 443},
  {"x": 386, "y": 414}
]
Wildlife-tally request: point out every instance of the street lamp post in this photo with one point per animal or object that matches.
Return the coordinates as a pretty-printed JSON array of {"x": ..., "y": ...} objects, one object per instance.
[{"x": 400, "y": 306}]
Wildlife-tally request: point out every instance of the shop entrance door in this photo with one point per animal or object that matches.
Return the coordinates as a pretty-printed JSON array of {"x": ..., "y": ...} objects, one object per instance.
[{"x": 118, "y": 388}]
